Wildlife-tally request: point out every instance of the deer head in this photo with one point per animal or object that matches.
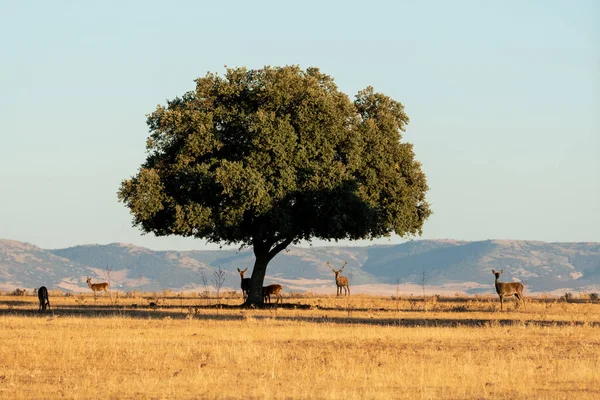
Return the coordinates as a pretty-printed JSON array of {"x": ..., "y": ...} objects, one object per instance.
[
  {"x": 337, "y": 272},
  {"x": 242, "y": 272}
]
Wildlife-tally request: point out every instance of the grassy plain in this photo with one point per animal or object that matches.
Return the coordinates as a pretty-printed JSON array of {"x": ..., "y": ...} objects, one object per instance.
[{"x": 362, "y": 347}]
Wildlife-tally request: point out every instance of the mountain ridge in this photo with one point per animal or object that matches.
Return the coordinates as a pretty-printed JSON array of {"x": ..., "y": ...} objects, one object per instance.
[{"x": 448, "y": 264}]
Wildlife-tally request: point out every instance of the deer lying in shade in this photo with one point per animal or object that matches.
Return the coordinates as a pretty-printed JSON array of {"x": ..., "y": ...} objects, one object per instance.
[{"x": 507, "y": 289}]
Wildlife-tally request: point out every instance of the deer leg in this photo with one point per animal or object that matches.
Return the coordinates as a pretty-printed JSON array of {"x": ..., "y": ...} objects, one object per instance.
[
  {"x": 520, "y": 299},
  {"x": 501, "y": 301}
]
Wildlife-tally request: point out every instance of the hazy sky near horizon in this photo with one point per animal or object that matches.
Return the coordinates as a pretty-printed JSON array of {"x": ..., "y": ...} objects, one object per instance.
[{"x": 503, "y": 97}]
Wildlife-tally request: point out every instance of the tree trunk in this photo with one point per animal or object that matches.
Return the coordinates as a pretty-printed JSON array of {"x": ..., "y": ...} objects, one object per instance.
[
  {"x": 255, "y": 297},
  {"x": 264, "y": 251}
]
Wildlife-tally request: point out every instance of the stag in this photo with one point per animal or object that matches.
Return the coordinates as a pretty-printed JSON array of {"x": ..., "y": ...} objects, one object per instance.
[
  {"x": 507, "y": 289},
  {"x": 245, "y": 283},
  {"x": 341, "y": 281},
  {"x": 43, "y": 297},
  {"x": 272, "y": 290},
  {"x": 97, "y": 287}
]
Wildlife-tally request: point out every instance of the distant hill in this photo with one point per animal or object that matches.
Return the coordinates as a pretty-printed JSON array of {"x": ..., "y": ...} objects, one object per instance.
[{"x": 450, "y": 266}]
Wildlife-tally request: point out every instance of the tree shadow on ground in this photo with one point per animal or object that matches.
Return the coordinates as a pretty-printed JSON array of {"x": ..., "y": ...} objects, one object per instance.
[
  {"x": 212, "y": 313},
  {"x": 15, "y": 303}
]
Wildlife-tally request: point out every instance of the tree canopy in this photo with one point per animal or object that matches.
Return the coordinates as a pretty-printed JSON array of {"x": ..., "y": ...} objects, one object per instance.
[{"x": 269, "y": 157}]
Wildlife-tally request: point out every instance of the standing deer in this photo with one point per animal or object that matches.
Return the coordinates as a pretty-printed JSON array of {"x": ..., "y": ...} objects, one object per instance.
[
  {"x": 272, "y": 290},
  {"x": 245, "y": 283},
  {"x": 97, "y": 287},
  {"x": 43, "y": 297},
  {"x": 507, "y": 289},
  {"x": 341, "y": 281}
]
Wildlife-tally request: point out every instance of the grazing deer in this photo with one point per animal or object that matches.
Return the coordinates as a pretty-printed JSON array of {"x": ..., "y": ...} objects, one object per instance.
[
  {"x": 43, "y": 297},
  {"x": 272, "y": 290},
  {"x": 507, "y": 289},
  {"x": 341, "y": 281},
  {"x": 97, "y": 287},
  {"x": 245, "y": 283}
]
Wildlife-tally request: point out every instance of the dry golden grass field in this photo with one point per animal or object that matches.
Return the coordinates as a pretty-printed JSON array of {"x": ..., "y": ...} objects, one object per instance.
[{"x": 361, "y": 347}]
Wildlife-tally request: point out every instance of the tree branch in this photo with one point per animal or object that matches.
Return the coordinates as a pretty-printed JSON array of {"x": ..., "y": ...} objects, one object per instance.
[{"x": 282, "y": 245}]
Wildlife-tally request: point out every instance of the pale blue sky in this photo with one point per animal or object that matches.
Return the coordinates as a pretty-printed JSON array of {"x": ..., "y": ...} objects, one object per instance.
[{"x": 503, "y": 97}]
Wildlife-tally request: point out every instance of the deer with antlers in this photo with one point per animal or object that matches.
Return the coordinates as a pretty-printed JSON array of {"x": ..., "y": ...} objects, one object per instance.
[
  {"x": 245, "y": 283},
  {"x": 341, "y": 281},
  {"x": 272, "y": 290},
  {"x": 507, "y": 289},
  {"x": 97, "y": 287}
]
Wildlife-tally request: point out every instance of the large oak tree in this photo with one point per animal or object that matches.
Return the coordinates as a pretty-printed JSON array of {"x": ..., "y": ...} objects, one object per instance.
[{"x": 269, "y": 157}]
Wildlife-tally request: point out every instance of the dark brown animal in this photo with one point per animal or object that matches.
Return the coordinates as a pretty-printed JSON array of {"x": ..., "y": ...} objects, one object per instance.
[
  {"x": 507, "y": 289},
  {"x": 43, "y": 297},
  {"x": 245, "y": 283},
  {"x": 341, "y": 281},
  {"x": 272, "y": 290}
]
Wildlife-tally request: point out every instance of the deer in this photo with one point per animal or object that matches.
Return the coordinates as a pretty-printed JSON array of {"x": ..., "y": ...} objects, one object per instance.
[
  {"x": 43, "y": 297},
  {"x": 245, "y": 283},
  {"x": 507, "y": 289},
  {"x": 272, "y": 290},
  {"x": 98, "y": 287},
  {"x": 341, "y": 281}
]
